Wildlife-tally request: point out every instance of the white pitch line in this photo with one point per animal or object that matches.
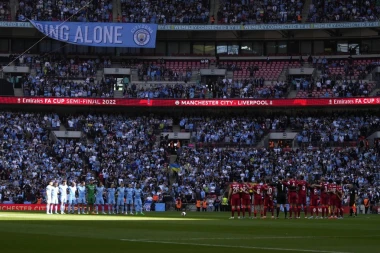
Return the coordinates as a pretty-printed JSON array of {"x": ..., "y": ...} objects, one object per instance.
[
  {"x": 277, "y": 237},
  {"x": 230, "y": 246}
]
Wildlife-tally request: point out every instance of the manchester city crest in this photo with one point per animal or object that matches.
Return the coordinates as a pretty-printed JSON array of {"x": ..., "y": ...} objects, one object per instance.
[{"x": 141, "y": 37}]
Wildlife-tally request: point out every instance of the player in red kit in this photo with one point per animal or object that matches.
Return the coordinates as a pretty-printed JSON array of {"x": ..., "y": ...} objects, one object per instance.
[
  {"x": 258, "y": 190},
  {"x": 302, "y": 192},
  {"x": 339, "y": 197},
  {"x": 268, "y": 199},
  {"x": 292, "y": 195},
  {"x": 332, "y": 198},
  {"x": 314, "y": 199},
  {"x": 245, "y": 198},
  {"x": 234, "y": 198},
  {"x": 324, "y": 187}
]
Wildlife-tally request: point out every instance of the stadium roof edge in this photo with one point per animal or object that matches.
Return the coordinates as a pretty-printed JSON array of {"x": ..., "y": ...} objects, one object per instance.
[{"x": 254, "y": 27}]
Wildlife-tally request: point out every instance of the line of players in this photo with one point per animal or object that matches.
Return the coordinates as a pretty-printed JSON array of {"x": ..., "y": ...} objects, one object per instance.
[
  {"x": 323, "y": 195},
  {"x": 120, "y": 200}
]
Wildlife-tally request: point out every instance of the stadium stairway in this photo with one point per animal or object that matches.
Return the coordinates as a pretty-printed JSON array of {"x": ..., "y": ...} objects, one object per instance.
[
  {"x": 305, "y": 10},
  {"x": 14, "y": 4},
  {"x": 18, "y": 92},
  {"x": 99, "y": 75},
  {"x": 134, "y": 75},
  {"x": 229, "y": 75},
  {"x": 214, "y": 7},
  {"x": 116, "y": 9},
  {"x": 118, "y": 94},
  {"x": 292, "y": 94}
]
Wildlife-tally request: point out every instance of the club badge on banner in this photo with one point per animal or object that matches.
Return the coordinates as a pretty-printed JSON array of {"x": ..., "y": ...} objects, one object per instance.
[{"x": 100, "y": 34}]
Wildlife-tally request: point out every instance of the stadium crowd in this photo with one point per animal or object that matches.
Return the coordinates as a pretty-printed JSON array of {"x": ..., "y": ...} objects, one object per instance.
[
  {"x": 249, "y": 12},
  {"x": 5, "y": 11},
  {"x": 59, "y": 77},
  {"x": 165, "y": 12},
  {"x": 117, "y": 148},
  {"x": 75, "y": 11},
  {"x": 339, "y": 11}
]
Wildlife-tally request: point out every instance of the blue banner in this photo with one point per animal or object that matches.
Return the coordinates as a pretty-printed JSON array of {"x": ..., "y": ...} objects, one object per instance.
[{"x": 100, "y": 34}]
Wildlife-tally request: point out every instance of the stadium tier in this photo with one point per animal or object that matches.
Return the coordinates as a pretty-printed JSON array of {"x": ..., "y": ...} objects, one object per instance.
[
  {"x": 338, "y": 11},
  {"x": 114, "y": 147},
  {"x": 5, "y": 11},
  {"x": 255, "y": 12},
  {"x": 74, "y": 11},
  {"x": 166, "y": 12}
]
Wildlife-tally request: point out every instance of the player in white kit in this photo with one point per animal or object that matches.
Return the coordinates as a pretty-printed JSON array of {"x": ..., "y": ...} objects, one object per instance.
[
  {"x": 54, "y": 198},
  {"x": 49, "y": 189}
]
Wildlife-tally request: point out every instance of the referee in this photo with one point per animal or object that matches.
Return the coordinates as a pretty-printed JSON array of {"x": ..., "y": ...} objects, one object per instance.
[
  {"x": 281, "y": 196},
  {"x": 353, "y": 198}
]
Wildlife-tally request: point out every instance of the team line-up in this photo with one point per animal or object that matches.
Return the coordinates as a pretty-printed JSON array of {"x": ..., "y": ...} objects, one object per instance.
[
  {"x": 325, "y": 195},
  {"x": 92, "y": 197}
]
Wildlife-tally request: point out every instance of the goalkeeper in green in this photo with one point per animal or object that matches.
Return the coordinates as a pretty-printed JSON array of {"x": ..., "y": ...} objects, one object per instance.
[{"x": 90, "y": 197}]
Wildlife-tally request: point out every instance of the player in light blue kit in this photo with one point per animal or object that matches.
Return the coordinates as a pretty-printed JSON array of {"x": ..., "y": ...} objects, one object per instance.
[
  {"x": 138, "y": 203},
  {"x": 120, "y": 198},
  {"x": 129, "y": 191},
  {"x": 99, "y": 198},
  {"x": 63, "y": 193},
  {"x": 71, "y": 198},
  {"x": 81, "y": 197},
  {"x": 111, "y": 199}
]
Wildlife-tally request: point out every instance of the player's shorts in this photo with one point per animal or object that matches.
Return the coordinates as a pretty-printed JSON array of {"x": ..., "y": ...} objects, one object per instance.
[
  {"x": 99, "y": 201},
  {"x": 324, "y": 199},
  {"x": 338, "y": 203},
  {"x": 63, "y": 200},
  {"x": 90, "y": 200},
  {"x": 111, "y": 201},
  {"x": 138, "y": 202},
  {"x": 129, "y": 201},
  {"x": 281, "y": 199},
  {"x": 235, "y": 201},
  {"x": 48, "y": 200},
  {"x": 120, "y": 202},
  {"x": 302, "y": 200},
  {"x": 332, "y": 200},
  {"x": 81, "y": 200},
  {"x": 314, "y": 201},
  {"x": 258, "y": 201},
  {"x": 292, "y": 198},
  {"x": 72, "y": 200},
  {"x": 54, "y": 201},
  {"x": 246, "y": 201},
  {"x": 268, "y": 202}
]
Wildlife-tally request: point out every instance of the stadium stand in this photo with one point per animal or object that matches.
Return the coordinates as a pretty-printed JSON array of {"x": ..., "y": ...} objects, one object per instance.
[
  {"x": 75, "y": 11},
  {"x": 338, "y": 78},
  {"x": 5, "y": 13},
  {"x": 165, "y": 12},
  {"x": 338, "y": 11},
  {"x": 252, "y": 12},
  {"x": 118, "y": 148}
]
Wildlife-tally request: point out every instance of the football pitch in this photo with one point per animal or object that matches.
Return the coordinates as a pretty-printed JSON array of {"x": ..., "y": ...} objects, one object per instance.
[{"x": 195, "y": 233}]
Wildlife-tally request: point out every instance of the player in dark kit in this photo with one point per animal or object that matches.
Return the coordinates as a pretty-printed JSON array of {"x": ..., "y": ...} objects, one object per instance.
[
  {"x": 302, "y": 192},
  {"x": 339, "y": 197},
  {"x": 332, "y": 198},
  {"x": 324, "y": 186},
  {"x": 292, "y": 187},
  {"x": 314, "y": 199},
  {"x": 234, "y": 198},
  {"x": 281, "y": 196},
  {"x": 268, "y": 199},
  {"x": 258, "y": 190},
  {"x": 245, "y": 198}
]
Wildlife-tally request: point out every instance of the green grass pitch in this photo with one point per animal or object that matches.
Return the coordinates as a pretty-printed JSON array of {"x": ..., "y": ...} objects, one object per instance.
[{"x": 195, "y": 233}]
